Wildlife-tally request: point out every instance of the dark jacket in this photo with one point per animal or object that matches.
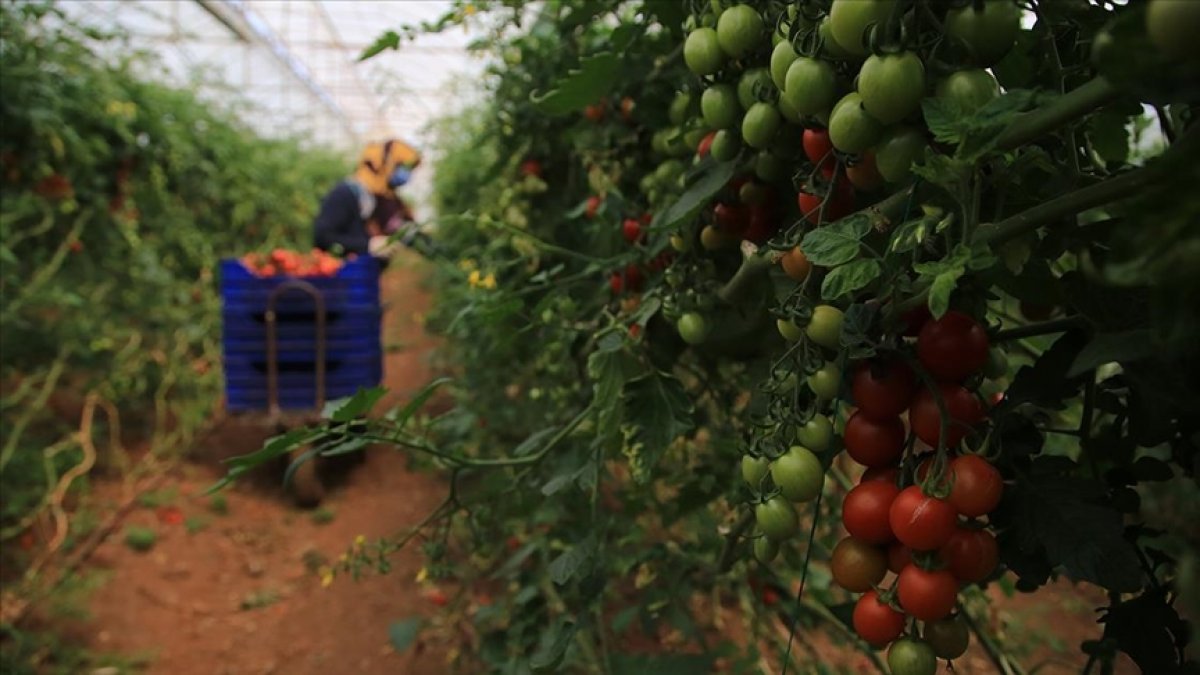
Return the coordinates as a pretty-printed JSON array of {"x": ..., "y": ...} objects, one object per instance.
[{"x": 340, "y": 222}]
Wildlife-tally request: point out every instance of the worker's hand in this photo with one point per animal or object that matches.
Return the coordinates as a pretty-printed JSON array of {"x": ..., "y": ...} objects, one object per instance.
[{"x": 380, "y": 246}]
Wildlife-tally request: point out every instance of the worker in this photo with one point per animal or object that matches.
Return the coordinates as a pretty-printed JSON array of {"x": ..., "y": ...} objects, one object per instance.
[{"x": 360, "y": 213}]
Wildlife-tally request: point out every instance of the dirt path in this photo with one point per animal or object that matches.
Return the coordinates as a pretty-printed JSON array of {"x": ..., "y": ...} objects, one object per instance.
[{"x": 241, "y": 593}]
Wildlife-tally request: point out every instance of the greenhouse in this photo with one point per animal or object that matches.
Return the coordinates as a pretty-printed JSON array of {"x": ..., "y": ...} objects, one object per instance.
[{"x": 608, "y": 337}]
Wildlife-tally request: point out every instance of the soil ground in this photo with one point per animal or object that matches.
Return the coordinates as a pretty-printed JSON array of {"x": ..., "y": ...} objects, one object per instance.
[{"x": 241, "y": 593}]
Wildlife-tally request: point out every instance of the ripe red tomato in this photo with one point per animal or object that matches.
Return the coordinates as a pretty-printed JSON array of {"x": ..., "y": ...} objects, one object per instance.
[
  {"x": 857, "y": 565},
  {"x": 705, "y": 144},
  {"x": 899, "y": 556},
  {"x": 616, "y": 283},
  {"x": 646, "y": 218},
  {"x": 977, "y": 487},
  {"x": 865, "y": 511},
  {"x": 593, "y": 205},
  {"x": 962, "y": 407},
  {"x": 883, "y": 388},
  {"x": 874, "y": 442},
  {"x": 817, "y": 148},
  {"x": 594, "y": 112},
  {"x": 864, "y": 175},
  {"x": 876, "y": 622},
  {"x": 840, "y": 204},
  {"x": 631, "y": 230},
  {"x": 928, "y": 595},
  {"x": 770, "y": 597},
  {"x": 633, "y": 277},
  {"x": 531, "y": 167},
  {"x": 761, "y": 225},
  {"x": 953, "y": 347},
  {"x": 921, "y": 522},
  {"x": 627, "y": 106},
  {"x": 970, "y": 555},
  {"x": 887, "y": 474},
  {"x": 730, "y": 218}
]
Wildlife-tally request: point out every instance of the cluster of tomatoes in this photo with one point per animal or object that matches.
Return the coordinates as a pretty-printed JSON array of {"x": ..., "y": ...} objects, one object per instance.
[
  {"x": 282, "y": 262},
  {"x": 920, "y": 524}
]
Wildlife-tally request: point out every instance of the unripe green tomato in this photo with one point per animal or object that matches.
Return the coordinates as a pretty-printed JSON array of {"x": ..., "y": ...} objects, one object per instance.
[
  {"x": 692, "y": 328},
  {"x": 826, "y": 382},
  {"x": 752, "y": 192},
  {"x": 968, "y": 90},
  {"x": 781, "y": 57},
  {"x": 713, "y": 239},
  {"x": 769, "y": 168},
  {"x": 850, "y": 20},
  {"x": 683, "y": 106},
  {"x": 829, "y": 45},
  {"x": 897, "y": 152},
  {"x": 765, "y": 550},
  {"x": 759, "y": 126},
  {"x": 988, "y": 34},
  {"x": 692, "y": 137},
  {"x": 777, "y": 518},
  {"x": 851, "y": 128},
  {"x": 719, "y": 106},
  {"x": 810, "y": 86},
  {"x": 725, "y": 146},
  {"x": 790, "y": 331},
  {"x": 753, "y": 84},
  {"x": 702, "y": 52},
  {"x": 754, "y": 469},
  {"x": 739, "y": 30},
  {"x": 892, "y": 85},
  {"x": 825, "y": 327},
  {"x": 679, "y": 243},
  {"x": 910, "y": 656},
  {"x": 799, "y": 474},
  {"x": 816, "y": 434},
  {"x": 787, "y": 111},
  {"x": 996, "y": 366}
]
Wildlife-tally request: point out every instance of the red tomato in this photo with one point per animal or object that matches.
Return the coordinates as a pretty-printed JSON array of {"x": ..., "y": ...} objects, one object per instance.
[
  {"x": 888, "y": 474},
  {"x": 874, "y": 442},
  {"x": 631, "y": 230},
  {"x": 977, "y": 486},
  {"x": 883, "y": 388},
  {"x": 531, "y": 167},
  {"x": 616, "y": 283},
  {"x": 865, "y": 511},
  {"x": 899, "y": 556},
  {"x": 840, "y": 204},
  {"x": 864, "y": 175},
  {"x": 817, "y": 147},
  {"x": 963, "y": 408},
  {"x": 953, "y": 347},
  {"x": 731, "y": 219},
  {"x": 925, "y": 594},
  {"x": 76, "y": 246},
  {"x": 594, "y": 112},
  {"x": 921, "y": 522},
  {"x": 634, "y": 330},
  {"x": 914, "y": 320},
  {"x": 761, "y": 225},
  {"x": 970, "y": 555},
  {"x": 633, "y": 277},
  {"x": 646, "y": 218},
  {"x": 593, "y": 205},
  {"x": 770, "y": 597},
  {"x": 514, "y": 542},
  {"x": 705, "y": 144},
  {"x": 627, "y": 106},
  {"x": 438, "y": 597},
  {"x": 876, "y": 622}
]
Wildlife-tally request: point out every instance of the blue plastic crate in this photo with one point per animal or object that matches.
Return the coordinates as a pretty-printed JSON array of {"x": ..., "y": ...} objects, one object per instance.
[
  {"x": 246, "y": 380},
  {"x": 243, "y": 323},
  {"x": 357, "y": 282}
]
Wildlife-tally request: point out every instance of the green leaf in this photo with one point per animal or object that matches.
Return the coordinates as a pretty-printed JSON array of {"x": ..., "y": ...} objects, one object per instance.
[
  {"x": 401, "y": 415},
  {"x": 389, "y": 40},
  {"x": 837, "y": 243},
  {"x": 571, "y": 561},
  {"x": 943, "y": 121},
  {"x": 856, "y": 330},
  {"x": 403, "y": 633},
  {"x": 1125, "y": 347},
  {"x": 345, "y": 410},
  {"x": 274, "y": 447},
  {"x": 581, "y": 86},
  {"x": 658, "y": 408},
  {"x": 662, "y": 664},
  {"x": 942, "y": 288},
  {"x": 1045, "y": 383},
  {"x": 553, "y": 647},
  {"x": 1109, "y": 134},
  {"x": 848, "y": 278},
  {"x": 697, "y": 195}
]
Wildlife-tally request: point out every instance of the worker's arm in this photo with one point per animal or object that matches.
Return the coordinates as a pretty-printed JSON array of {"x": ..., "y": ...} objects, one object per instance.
[{"x": 339, "y": 222}]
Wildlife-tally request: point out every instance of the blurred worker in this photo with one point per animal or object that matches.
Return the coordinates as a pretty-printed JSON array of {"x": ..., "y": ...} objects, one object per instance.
[{"x": 361, "y": 213}]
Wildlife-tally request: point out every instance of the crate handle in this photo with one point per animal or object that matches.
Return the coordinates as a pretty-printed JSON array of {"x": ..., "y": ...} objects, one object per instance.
[{"x": 273, "y": 342}]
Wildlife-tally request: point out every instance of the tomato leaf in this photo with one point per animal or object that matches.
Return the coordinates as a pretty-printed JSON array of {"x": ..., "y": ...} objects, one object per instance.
[
  {"x": 275, "y": 446},
  {"x": 1124, "y": 347},
  {"x": 1068, "y": 519},
  {"x": 846, "y": 279},
  {"x": 657, "y": 410},
  {"x": 389, "y": 40},
  {"x": 581, "y": 86},
  {"x": 553, "y": 647},
  {"x": 1149, "y": 629},
  {"x": 571, "y": 561},
  {"x": 698, "y": 195},
  {"x": 345, "y": 410},
  {"x": 837, "y": 243},
  {"x": 942, "y": 288},
  {"x": 1045, "y": 383},
  {"x": 403, "y": 633}
]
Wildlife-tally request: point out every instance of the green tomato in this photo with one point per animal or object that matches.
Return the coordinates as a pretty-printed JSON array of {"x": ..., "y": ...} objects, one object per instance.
[
  {"x": 781, "y": 57},
  {"x": 761, "y": 123},
  {"x": 752, "y": 85},
  {"x": 702, "y": 52},
  {"x": 892, "y": 85},
  {"x": 968, "y": 90},
  {"x": 826, "y": 382},
  {"x": 753, "y": 192},
  {"x": 996, "y": 366},
  {"x": 670, "y": 170},
  {"x": 897, "y": 152},
  {"x": 739, "y": 30},
  {"x": 787, "y": 111},
  {"x": 692, "y": 137},
  {"x": 816, "y": 434},
  {"x": 798, "y": 474},
  {"x": 754, "y": 469},
  {"x": 910, "y": 656},
  {"x": 1172, "y": 26},
  {"x": 692, "y": 328},
  {"x": 949, "y": 638},
  {"x": 765, "y": 550},
  {"x": 790, "y": 331},
  {"x": 830, "y": 46},
  {"x": 777, "y": 518},
  {"x": 725, "y": 146},
  {"x": 769, "y": 167},
  {"x": 683, "y": 106},
  {"x": 988, "y": 34},
  {"x": 679, "y": 243},
  {"x": 850, "y": 20},
  {"x": 825, "y": 327},
  {"x": 810, "y": 86},
  {"x": 719, "y": 106},
  {"x": 851, "y": 128}
]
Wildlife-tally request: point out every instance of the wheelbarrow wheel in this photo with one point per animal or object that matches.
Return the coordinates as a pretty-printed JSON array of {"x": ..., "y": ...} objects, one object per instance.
[{"x": 305, "y": 486}]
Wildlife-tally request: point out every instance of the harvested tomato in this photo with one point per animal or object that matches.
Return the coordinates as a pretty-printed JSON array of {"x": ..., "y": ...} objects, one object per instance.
[
  {"x": 865, "y": 511},
  {"x": 874, "y": 442},
  {"x": 883, "y": 388},
  {"x": 921, "y": 522}
]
